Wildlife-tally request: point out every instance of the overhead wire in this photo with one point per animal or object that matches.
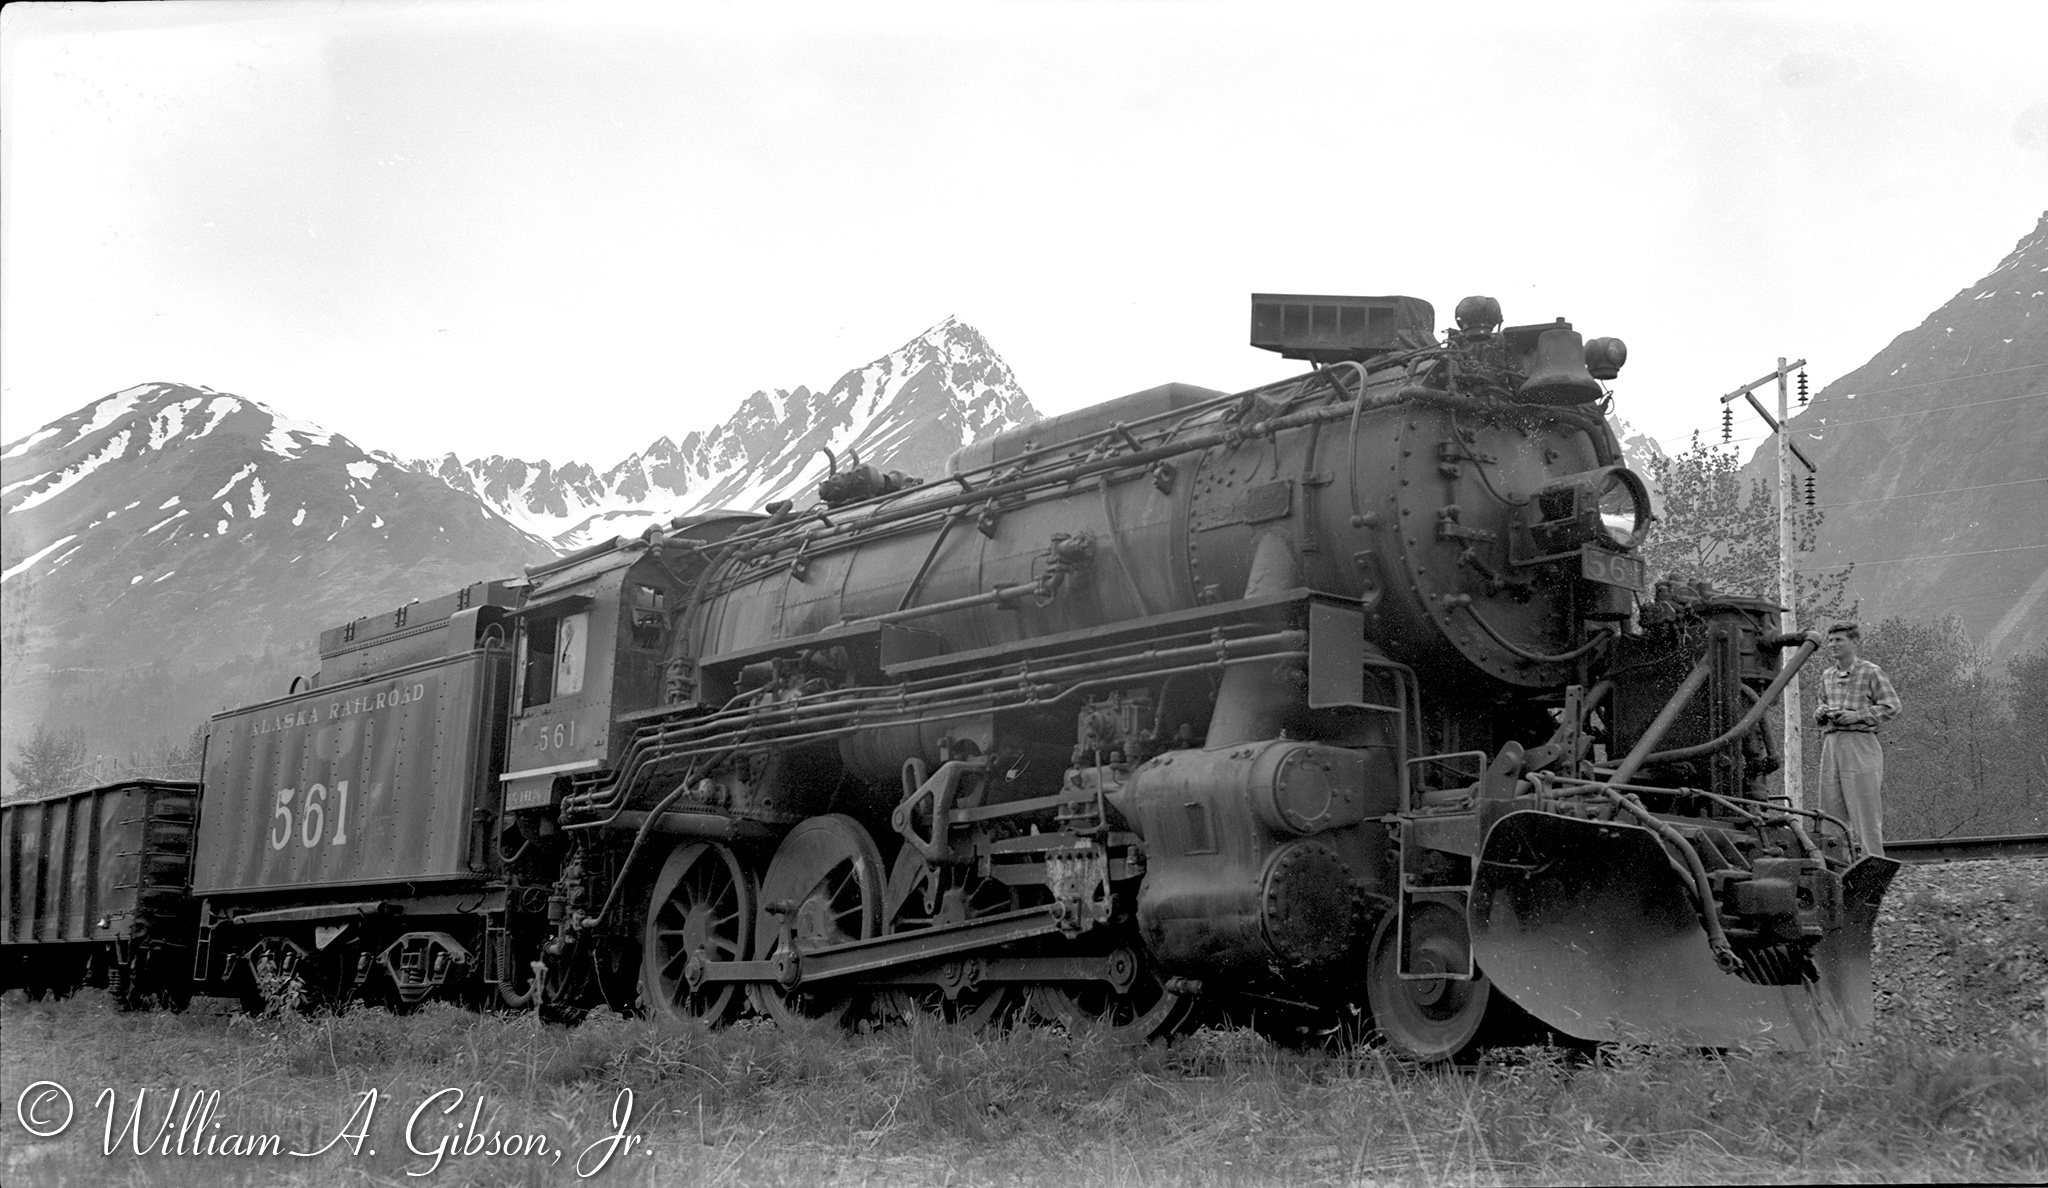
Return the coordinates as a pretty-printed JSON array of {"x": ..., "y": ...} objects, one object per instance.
[
  {"x": 1665, "y": 442},
  {"x": 1936, "y": 556},
  {"x": 1870, "y": 609},
  {"x": 1943, "y": 491},
  {"x": 1825, "y": 424},
  {"x": 1951, "y": 380}
]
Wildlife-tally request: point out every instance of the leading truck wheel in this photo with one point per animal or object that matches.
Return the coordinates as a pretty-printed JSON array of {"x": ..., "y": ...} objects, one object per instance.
[
  {"x": 1430, "y": 1019},
  {"x": 823, "y": 888},
  {"x": 702, "y": 909}
]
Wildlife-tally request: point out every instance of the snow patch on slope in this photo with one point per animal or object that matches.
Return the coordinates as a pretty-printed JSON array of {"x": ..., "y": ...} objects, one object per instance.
[
  {"x": 22, "y": 565},
  {"x": 115, "y": 447},
  {"x": 27, "y": 443},
  {"x": 282, "y": 429},
  {"x": 241, "y": 474},
  {"x": 217, "y": 410},
  {"x": 170, "y": 421}
]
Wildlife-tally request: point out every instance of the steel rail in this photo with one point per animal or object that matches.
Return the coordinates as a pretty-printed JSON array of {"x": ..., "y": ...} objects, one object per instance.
[{"x": 1922, "y": 850}]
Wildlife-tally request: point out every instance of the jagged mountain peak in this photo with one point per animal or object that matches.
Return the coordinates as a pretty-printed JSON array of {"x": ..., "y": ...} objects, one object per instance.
[
  {"x": 904, "y": 410},
  {"x": 162, "y": 415},
  {"x": 169, "y": 530}
]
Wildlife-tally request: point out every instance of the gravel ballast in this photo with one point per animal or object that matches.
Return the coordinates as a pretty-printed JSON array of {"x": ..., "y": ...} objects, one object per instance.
[{"x": 1962, "y": 951}]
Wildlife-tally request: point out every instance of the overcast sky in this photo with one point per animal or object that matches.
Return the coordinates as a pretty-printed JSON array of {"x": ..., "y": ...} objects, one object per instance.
[{"x": 560, "y": 230}]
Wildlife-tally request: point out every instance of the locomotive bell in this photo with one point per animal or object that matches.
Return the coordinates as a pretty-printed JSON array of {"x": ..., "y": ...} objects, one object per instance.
[{"x": 1557, "y": 370}]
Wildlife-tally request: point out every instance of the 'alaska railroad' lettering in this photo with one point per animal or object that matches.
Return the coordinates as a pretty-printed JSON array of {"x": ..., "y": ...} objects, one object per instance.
[{"x": 364, "y": 703}]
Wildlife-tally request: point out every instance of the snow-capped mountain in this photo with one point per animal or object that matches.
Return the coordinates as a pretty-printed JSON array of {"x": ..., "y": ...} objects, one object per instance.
[
  {"x": 168, "y": 551},
  {"x": 1640, "y": 451},
  {"x": 166, "y": 531},
  {"x": 1931, "y": 468},
  {"x": 904, "y": 411}
]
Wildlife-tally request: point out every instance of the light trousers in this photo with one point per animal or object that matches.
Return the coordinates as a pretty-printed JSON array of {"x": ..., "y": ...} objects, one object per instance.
[{"x": 1851, "y": 785}]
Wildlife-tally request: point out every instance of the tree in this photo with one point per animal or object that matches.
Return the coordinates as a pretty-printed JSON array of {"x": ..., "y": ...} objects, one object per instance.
[
  {"x": 167, "y": 760},
  {"x": 1712, "y": 530},
  {"x": 1965, "y": 755},
  {"x": 48, "y": 761},
  {"x": 2027, "y": 742}
]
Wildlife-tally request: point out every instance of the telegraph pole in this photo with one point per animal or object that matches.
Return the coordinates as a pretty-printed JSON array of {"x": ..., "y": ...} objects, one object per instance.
[{"x": 1788, "y": 590}]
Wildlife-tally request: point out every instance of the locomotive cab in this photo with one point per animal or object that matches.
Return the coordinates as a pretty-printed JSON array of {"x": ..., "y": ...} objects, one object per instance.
[{"x": 588, "y": 648}]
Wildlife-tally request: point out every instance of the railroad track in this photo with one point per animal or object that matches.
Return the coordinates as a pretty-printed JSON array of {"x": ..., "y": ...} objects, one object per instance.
[{"x": 1968, "y": 849}]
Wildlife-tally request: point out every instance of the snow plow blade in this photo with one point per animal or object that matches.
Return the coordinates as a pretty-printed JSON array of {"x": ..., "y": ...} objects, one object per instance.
[{"x": 1588, "y": 926}]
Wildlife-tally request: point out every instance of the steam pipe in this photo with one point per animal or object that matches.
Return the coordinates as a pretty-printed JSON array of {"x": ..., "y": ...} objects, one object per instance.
[
  {"x": 688, "y": 750},
  {"x": 1710, "y": 911},
  {"x": 1526, "y": 654},
  {"x": 1042, "y": 587},
  {"x": 1640, "y": 753},
  {"x": 698, "y": 734},
  {"x": 1750, "y": 719}
]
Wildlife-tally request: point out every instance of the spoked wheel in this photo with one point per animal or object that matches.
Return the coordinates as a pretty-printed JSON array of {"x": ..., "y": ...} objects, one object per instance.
[
  {"x": 1430, "y": 1019},
  {"x": 825, "y": 882},
  {"x": 951, "y": 895},
  {"x": 702, "y": 909},
  {"x": 1143, "y": 1011}
]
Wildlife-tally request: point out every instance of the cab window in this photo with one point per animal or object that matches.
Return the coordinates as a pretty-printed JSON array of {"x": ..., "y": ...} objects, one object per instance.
[
  {"x": 650, "y": 616},
  {"x": 555, "y": 652}
]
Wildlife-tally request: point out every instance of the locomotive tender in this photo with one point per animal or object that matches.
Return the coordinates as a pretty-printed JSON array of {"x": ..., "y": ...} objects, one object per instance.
[{"x": 1343, "y": 692}]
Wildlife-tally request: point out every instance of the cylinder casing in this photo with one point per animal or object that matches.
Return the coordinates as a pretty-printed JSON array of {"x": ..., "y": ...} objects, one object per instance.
[{"x": 1261, "y": 857}]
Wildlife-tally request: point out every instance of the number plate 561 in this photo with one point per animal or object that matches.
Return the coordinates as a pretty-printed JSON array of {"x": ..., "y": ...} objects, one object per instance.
[{"x": 1599, "y": 565}]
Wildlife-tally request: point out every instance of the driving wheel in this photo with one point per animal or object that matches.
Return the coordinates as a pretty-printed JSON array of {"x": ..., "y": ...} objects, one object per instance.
[
  {"x": 1141, "y": 1011},
  {"x": 702, "y": 909},
  {"x": 823, "y": 888},
  {"x": 950, "y": 895}
]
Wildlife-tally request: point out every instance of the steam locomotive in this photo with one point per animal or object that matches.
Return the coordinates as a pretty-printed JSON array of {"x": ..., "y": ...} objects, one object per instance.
[{"x": 1346, "y": 694}]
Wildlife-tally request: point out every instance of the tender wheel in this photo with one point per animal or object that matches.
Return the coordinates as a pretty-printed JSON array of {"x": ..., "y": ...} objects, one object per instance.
[
  {"x": 702, "y": 907},
  {"x": 950, "y": 895},
  {"x": 825, "y": 881},
  {"x": 1429, "y": 1019},
  {"x": 1143, "y": 1012}
]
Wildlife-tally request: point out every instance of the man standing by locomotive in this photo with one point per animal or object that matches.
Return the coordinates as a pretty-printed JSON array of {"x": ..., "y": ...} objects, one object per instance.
[{"x": 1855, "y": 698}]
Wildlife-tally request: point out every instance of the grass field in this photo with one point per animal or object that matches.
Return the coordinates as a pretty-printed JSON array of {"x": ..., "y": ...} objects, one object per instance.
[
  {"x": 935, "y": 1104},
  {"x": 1952, "y": 1085}
]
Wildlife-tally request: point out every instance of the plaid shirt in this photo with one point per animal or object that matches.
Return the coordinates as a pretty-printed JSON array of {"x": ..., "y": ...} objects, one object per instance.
[{"x": 1863, "y": 689}]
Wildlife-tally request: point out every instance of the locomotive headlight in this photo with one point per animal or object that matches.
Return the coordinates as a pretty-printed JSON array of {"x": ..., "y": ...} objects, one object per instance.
[
  {"x": 1609, "y": 506},
  {"x": 1624, "y": 507}
]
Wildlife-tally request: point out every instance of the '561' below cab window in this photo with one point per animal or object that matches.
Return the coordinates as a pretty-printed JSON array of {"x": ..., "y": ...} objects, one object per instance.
[{"x": 552, "y": 663}]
